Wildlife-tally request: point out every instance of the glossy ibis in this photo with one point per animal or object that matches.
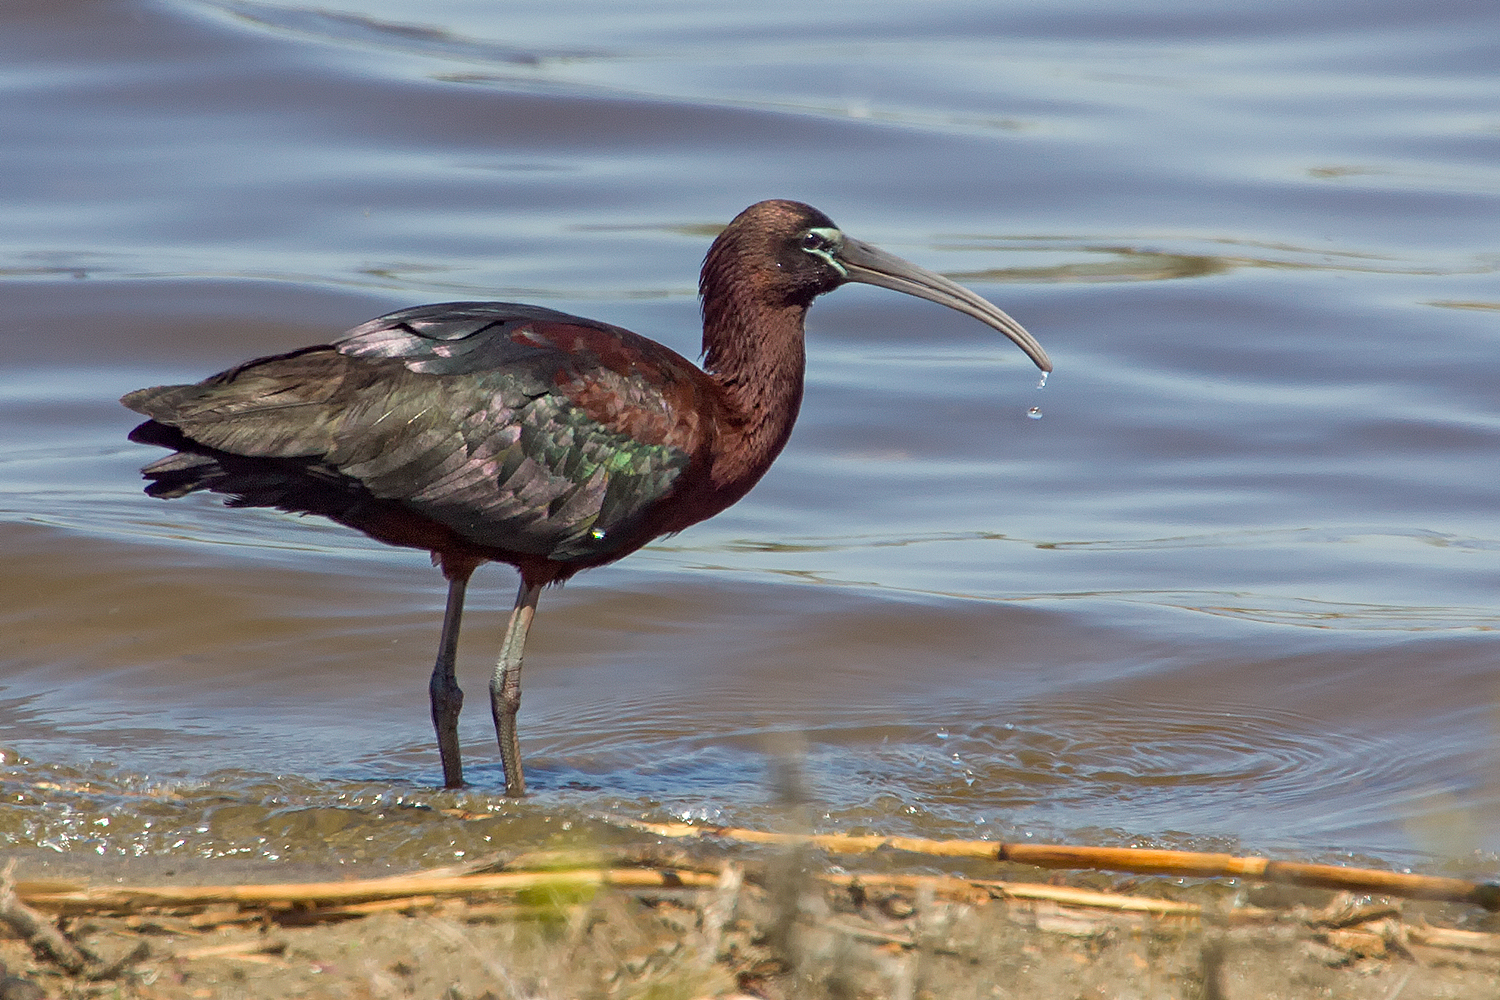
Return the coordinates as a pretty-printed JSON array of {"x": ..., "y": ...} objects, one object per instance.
[{"x": 495, "y": 431}]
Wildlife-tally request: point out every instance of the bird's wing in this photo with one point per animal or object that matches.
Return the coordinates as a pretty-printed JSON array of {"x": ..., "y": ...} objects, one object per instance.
[{"x": 521, "y": 428}]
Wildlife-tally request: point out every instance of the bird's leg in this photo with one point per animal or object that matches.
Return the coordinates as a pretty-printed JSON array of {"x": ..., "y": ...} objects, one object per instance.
[
  {"x": 505, "y": 687},
  {"x": 447, "y": 698}
]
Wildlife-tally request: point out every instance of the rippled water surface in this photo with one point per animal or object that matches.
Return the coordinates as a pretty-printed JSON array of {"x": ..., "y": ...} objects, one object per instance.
[{"x": 1236, "y": 586}]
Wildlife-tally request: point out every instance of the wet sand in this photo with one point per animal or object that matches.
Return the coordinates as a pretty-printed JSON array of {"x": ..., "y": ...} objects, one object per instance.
[{"x": 720, "y": 920}]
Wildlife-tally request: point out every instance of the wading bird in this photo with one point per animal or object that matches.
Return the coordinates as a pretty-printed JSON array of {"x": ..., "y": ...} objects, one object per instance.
[{"x": 491, "y": 431}]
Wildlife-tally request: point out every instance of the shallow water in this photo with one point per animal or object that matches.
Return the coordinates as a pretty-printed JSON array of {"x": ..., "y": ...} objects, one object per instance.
[{"x": 1235, "y": 587}]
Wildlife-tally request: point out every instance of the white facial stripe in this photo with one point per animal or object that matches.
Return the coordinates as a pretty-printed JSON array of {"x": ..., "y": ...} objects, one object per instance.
[{"x": 835, "y": 241}]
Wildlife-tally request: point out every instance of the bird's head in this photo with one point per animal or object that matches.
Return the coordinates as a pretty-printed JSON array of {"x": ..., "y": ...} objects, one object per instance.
[{"x": 785, "y": 254}]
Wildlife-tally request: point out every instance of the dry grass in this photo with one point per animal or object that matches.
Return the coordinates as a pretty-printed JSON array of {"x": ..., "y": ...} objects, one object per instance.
[{"x": 719, "y": 919}]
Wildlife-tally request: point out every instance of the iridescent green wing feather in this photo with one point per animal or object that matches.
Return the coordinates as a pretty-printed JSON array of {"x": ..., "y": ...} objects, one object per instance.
[{"x": 484, "y": 417}]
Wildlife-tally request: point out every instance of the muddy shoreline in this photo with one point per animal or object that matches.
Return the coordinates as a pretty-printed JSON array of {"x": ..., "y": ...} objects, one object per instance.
[{"x": 711, "y": 918}]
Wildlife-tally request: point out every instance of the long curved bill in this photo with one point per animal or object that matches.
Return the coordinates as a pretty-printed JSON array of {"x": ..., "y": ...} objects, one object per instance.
[{"x": 873, "y": 266}]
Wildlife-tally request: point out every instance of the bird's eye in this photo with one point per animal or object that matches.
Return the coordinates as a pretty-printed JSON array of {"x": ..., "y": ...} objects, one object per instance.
[{"x": 824, "y": 241}]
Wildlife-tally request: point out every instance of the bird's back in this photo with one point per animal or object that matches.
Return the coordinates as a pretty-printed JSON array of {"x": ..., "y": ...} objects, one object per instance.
[{"x": 521, "y": 431}]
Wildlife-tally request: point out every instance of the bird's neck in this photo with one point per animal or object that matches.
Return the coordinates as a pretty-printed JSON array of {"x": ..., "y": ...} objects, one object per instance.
[{"x": 755, "y": 353}]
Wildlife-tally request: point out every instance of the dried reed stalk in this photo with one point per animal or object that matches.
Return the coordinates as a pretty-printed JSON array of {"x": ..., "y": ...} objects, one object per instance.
[
  {"x": 321, "y": 900},
  {"x": 293, "y": 894},
  {"x": 948, "y": 886},
  {"x": 1121, "y": 859},
  {"x": 33, "y": 929}
]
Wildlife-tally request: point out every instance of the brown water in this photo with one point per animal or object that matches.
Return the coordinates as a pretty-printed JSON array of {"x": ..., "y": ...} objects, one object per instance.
[{"x": 1235, "y": 587}]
